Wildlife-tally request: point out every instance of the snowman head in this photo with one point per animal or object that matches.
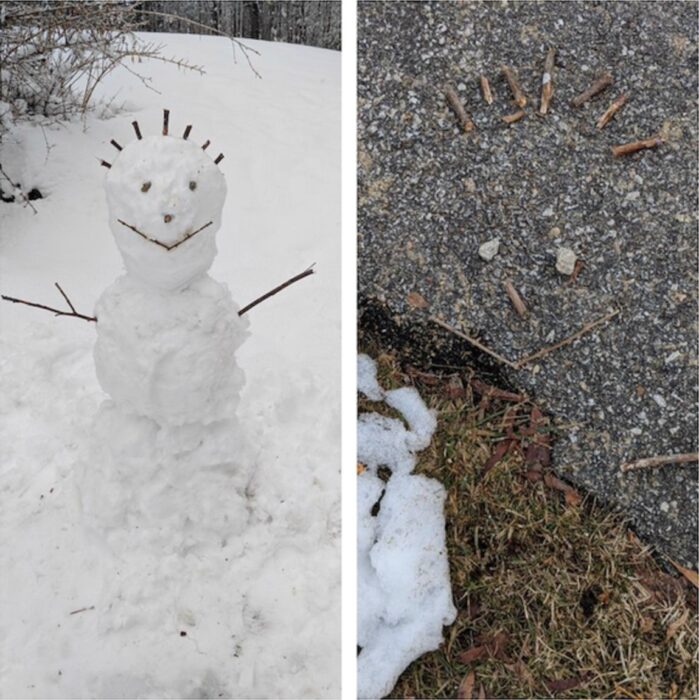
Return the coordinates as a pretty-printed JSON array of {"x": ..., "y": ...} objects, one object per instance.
[{"x": 165, "y": 196}]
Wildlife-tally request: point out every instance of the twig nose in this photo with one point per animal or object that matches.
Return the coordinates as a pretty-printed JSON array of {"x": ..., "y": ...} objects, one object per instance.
[{"x": 168, "y": 218}]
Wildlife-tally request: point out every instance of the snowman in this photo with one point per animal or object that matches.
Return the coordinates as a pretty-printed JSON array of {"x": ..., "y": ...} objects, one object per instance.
[
  {"x": 167, "y": 332},
  {"x": 168, "y": 456}
]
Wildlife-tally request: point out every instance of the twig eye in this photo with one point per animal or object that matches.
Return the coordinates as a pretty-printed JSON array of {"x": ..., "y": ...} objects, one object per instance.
[
  {"x": 145, "y": 187},
  {"x": 192, "y": 185}
]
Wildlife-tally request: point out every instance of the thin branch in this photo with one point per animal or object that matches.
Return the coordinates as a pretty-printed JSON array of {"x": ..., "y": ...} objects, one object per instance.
[
  {"x": 57, "y": 312},
  {"x": 474, "y": 342},
  {"x": 518, "y": 364},
  {"x": 18, "y": 189},
  {"x": 660, "y": 461},
  {"x": 160, "y": 243},
  {"x": 597, "y": 86},
  {"x": 65, "y": 296},
  {"x": 567, "y": 341},
  {"x": 243, "y": 47},
  {"x": 308, "y": 271}
]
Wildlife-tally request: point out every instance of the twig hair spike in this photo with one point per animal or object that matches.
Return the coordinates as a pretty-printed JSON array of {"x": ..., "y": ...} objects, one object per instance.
[
  {"x": 116, "y": 145},
  {"x": 137, "y": 130},
  {"x": 206, "y": 145},
  {"x": 219, "y": 158},
  {"x": 166, "y": 121},
  {"x": 185, "y": 136},
  {"x": 105, "y": 164}
]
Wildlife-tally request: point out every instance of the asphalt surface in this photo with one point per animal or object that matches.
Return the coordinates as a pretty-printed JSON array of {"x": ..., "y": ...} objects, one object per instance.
[{"x": 430, "y": 195}]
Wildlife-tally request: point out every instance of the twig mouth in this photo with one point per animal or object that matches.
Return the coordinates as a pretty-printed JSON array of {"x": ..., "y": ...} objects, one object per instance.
[{"x": 167, "y": 246}]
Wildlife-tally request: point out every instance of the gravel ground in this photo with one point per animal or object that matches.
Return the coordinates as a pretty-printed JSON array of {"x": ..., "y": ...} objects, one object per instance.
[{"x": 430, "y": 194}]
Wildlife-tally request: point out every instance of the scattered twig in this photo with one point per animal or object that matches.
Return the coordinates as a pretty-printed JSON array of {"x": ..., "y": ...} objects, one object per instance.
[
  {"x": 160, "y": 243},
  {"x": 476, "y": 343},
  {"x": 465, "y": 120},
  {"x": 485, "y": 89},
  {"x": 546, "y": 82},
  {"x": 308, "y": 271},
  {"x": 57, "y": 312},
  {"x": 660, "y": 461},
  {"x": 79, "y": 610},
  {"x": 17, "y": 188},
  {"x": 534, "y": 356},
  {"x": 600, "y": 84},
  {"x": 520, "y": 98},
  {"x": 611, "y": 111},
  {"x": 515, "y": 298},
  {"x": 566, "y": 341},
  {"x": 634, "y": 146},
  {"x": 246, "y": 50},
  {"x": 512, "y": 118}
]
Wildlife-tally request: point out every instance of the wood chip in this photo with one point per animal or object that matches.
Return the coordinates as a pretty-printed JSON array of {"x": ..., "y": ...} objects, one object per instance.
[
  {"x": 547, "y": 82},
  {"x": 600, "y": 84},
  {"x": 416, "y": 300},
  {"x": 485, "y": 89},
  {"x": 464, "y": 119},
  {"x": 519, "y": 97},
  {"x": 512, "y": 118},
  {"x": 634, "y": 146},
  {"x": 465, "y": 691},
  {"x": 515, "y": 298},
  {"x": 611, "y": 111}
]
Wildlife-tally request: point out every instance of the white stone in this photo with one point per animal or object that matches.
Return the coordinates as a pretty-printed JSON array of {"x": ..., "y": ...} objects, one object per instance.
[
  {"x": 565, "y": 261},
  {"x": 489, "y": 249}
]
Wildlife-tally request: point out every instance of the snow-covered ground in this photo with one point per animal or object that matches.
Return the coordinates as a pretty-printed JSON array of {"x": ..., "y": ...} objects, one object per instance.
[{"x": 257, "y": 615}]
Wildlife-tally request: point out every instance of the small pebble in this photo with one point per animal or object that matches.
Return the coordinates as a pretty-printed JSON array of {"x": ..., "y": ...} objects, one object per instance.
[
  {"x": 659, "y": 400},
  {"x": 565, "y": 261},
  {"x": 489, "y": 249}
]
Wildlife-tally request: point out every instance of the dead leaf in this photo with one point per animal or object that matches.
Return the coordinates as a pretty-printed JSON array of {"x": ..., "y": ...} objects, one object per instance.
[
  {"x": 562, "y": 684},
  {"x": 454, "y": 388},
  {"x": 416, "y": 300},
  {"x": 689, "y": 574},
  {"x": 360, "y": 468},
  {"x": 646, "y": 624},
  {"x": 472, "y": 654},
  {"x": 498, "y": 453},
  {"x": 465, "y": 691},
  {"x": 572, "y": 498},
  {"x": 675, "y": 626},
  {"x": 533, "y": 475},
  {"x": 493, "y": 392}
]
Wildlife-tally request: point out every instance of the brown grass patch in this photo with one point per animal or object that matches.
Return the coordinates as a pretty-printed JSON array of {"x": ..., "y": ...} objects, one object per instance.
[{"x": 556, "y": 596}]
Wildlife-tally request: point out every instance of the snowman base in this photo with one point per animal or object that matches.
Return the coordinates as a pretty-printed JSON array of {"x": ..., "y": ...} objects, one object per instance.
[{"x": 178, "y": 487}]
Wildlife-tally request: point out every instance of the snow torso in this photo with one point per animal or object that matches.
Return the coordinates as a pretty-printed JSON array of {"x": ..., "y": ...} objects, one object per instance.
[{"x": 170, "y": 356}]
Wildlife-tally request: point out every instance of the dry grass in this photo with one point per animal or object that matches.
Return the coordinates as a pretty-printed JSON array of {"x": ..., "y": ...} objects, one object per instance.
[{"x": 559, "y": 599}]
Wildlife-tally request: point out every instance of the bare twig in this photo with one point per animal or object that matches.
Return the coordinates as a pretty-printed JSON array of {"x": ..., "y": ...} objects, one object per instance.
[
  {"x": 519, "y": 97},
  {"x": 566, "y": 341},
  {"x": 160, "y": 243},
  {"x": 79, "y": 610},
  {"x": 465, "y": 121},
  {"x": 57, "y": 312},
  {"x": 473, "y": 341},
  {"x": 660, "y": 461},
  {"x": 634, "y": 146},
  {"x": 243, "y": 47},
  {"x": 600, "y": 84},
  {"x": 308, "y": 271},
  {"x": 17, "y": 188},
  {"x": 485, "y": 89},
  {"x": 512, "y": 118},
  {"x": 547, "y": 82},
  {"x": 515, "y": 298},
  {"x": 611, "y": 111}
]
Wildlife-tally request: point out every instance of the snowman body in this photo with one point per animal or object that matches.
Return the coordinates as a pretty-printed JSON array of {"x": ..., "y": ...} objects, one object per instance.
[{"x": 167, "y": 333}]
